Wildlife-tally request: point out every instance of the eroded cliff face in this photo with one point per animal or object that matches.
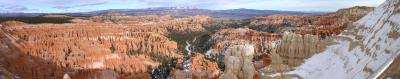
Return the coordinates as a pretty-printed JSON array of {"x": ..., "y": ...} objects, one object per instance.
[
  {"x": 354, "y": 13},
  {"x": 262, "y": 41},
  {"x": 315, "y": 25},
  {"x": 365, "y": 51},
  {"x": 302, "y": 37},
  {"x": 239, "y": 62},
  {"x": 273, "y": 52},
  {"x": 242, "y": 52},
  {"x": 295, "y": 48},
  {"x": 93, "y": 48},
  {"x": 324, "y": 25},
  {"x": 182, "y": 25},
  {"x": 117, "y": 46},
  {"x": 199, "y": 68}
]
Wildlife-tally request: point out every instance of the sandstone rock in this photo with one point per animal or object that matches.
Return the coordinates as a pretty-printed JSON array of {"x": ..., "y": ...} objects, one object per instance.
[
  {"x": 238, "y": 62},
  {"x": 329, "y": 24},
  {"x": 262, "y": 41},
  {"x": 66, "y": 76},
  {"x": 315, "y": 25},
  {"x": 200, "y": 68},
  {"x": 354, "y": 13},
  {"x": 129, "y": 50},
  {"x": 295, "y": 48},
  {"x": 12, "y": 23}
]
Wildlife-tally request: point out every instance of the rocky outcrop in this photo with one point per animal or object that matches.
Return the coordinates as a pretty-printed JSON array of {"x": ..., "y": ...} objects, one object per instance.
[
  {"x": 330, "y": 24},
  {"x": 366, "y": 52},
  {"x": 262, "y": 41},
  {"x": 11, "y": 25},
  {"x": 315, "y": 25},
  {"x": 182, "y": 25},
  {"x": 124, "y": 19},
  {"x": 204, "y": 68},
  {"x": 238, "y": 62},
  {"x": 93, "y": 48},
  {"x": 199, "y": 68},
  {"x": 295, "y": 48},
  {"x": 354, "y": 13},
  {"x": 281, "y": 20},
  {"x": 85, "y": 49},
  {"x": 226, "y": 40}
]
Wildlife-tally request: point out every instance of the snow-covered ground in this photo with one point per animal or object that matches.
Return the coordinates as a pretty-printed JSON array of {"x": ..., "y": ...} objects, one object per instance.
[{"x": 367, "y": 60}]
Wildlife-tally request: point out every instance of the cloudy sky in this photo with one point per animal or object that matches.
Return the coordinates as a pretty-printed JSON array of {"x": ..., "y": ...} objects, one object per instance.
[{"x": 58, "y": 6}]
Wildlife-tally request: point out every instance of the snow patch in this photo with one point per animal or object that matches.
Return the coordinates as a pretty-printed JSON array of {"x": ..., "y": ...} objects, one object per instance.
[{"x": 338, "y": 62}]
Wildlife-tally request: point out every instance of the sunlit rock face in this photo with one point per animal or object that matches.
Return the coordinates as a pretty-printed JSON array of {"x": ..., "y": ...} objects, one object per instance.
[
  {"x": 238, "y": 62},
  {"x": 295, "y": 48},
  {"x": 226, "y": 41},
  {"x": 183, "y": 25},
  {"x": 324, "y": 25},
  {"x": 262, "y": 41},
  {"x": 354, "y": 13},
  {"x": 316, "y": 25},
  {"x": 92, "y": 48},
  {"x": 117, "y": 46},
  {"x": 200, "y": 68},
  {"x": 261, "y": 44}
]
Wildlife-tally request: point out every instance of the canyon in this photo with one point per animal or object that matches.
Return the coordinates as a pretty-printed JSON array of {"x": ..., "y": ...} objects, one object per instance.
[{"x": 357, "y": 42}]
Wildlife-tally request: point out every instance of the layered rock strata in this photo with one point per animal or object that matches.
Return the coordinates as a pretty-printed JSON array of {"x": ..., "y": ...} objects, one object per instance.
[
  {"x": 324, "y": 25},
  {"x": 92, "y": 48},
  {"x": 262, "y": 41},
  {"x": 295, "y": 48}
]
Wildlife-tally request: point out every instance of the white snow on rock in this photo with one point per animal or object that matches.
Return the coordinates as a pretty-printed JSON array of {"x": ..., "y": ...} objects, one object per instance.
[{"x": 368, "y": 60}]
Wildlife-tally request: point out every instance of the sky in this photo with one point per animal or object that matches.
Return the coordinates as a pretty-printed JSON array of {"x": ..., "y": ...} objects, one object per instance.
[{"x": 62, "y": 6}]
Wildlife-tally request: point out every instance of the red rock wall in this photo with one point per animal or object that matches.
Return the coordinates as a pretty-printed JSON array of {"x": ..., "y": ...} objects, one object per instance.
[
  {"x": 130, "y": 50},
  {"x": 262, "y": 41},
  {"x": 315, "y": 25}
]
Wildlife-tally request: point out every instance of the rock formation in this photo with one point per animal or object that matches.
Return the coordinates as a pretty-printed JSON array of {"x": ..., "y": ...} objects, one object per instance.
[
  {"x": 295, "y": 48},
  {"x": 118, "y": 46},
  {"x": 365, "y": 52},
  {"x": 354, "y": 13},
  {"x": 262, "y": 41},
  {"x": 200, "y": 68},
  {"x": 238, "y": 62},
  {"x": 93, "y": 47},
  {"x": 184, "y": 25},
  {"x": 324, "y": 25},
  {"x": 316, "y": 25}
]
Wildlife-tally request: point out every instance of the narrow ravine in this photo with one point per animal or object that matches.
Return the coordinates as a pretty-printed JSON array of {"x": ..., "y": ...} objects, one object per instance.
[
  {"x": 187, "y": 48},
  {"x": 187, "y": 64}
]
